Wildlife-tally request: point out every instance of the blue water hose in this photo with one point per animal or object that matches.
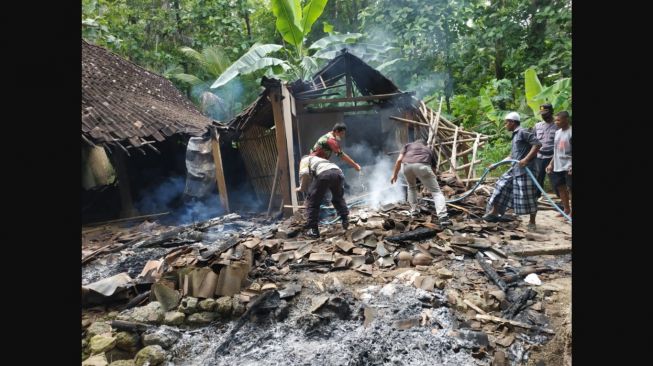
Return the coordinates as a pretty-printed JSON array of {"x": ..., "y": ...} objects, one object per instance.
[{"x": 466, "y": 194}]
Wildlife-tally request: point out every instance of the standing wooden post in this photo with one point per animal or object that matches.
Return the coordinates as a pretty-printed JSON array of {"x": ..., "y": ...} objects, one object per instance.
[
  {"x": 471, "y": 166},
  {"x": 219, "y": 171},
  {"x": 287, "y": 102},
  {"x": 274, "y": 187},
  {"x": 120, "y": 163},
  {"x": 453, "y": 151},
  {"x": 282, "y": 149}
]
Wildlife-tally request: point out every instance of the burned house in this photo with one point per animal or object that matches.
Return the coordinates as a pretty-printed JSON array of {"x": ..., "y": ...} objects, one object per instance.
[
  {"x": 282, "y": 125},
  {"x": 135, "y": 128},
  {"x": 393, "y": 287}
]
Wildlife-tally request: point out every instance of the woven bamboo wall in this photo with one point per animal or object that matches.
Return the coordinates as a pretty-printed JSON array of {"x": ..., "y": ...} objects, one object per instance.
[{"x": 259, "y": 152}]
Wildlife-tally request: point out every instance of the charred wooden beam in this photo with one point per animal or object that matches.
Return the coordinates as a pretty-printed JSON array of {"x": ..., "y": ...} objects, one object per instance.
[
  {"x": 137, "y": 300},
  {"x": 315, "y": 91},
  {"x": 342, "y": 109},
  {"x": 491, "y": 272},
  {"x": 519, "y": 304},
  {"x": 352, "y": 99},
  {"x": 263, "y": 302},
  {"x": 130, "y": 326},
  {"x": 417, "y": 234}
]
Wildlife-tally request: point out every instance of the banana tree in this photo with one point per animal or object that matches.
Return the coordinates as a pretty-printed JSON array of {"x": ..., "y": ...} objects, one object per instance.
[
  {"x": 210, "y": 63},
  {"x": 294, "y": 23},
  {"x": 255, "y": 59},
  {"x": 558, "y": 94}
]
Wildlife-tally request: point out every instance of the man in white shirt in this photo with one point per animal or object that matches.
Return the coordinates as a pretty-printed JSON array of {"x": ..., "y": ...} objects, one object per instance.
[
  {"x": 560, "y": 167},
  {"x": 316, "y": 175}
]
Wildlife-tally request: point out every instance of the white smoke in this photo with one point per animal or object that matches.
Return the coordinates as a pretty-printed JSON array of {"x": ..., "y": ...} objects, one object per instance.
[
  {"x": 377, "y": 182},
  {"x": 373, "y": 183}
]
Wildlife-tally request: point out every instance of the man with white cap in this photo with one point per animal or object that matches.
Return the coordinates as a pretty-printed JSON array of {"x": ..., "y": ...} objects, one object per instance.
[{"x": 515, "y": 188}]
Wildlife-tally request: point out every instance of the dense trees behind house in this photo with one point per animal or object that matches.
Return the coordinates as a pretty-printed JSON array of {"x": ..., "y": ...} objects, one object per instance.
[{"x": 484, "y": 57}]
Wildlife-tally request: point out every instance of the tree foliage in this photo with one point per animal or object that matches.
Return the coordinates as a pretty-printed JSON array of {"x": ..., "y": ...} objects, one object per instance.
[{"x": 486, "y": 57}]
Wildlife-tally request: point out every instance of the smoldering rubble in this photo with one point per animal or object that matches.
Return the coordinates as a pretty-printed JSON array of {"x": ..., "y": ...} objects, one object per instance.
[{"x": 392, "y": 289}]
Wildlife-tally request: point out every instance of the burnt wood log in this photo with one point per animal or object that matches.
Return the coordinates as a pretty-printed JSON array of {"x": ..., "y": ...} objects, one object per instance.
[
  {"x": 494, "y": 276},
  {"x": 417, "y": 234},
  {"x": 191, "y": 234},
  {"x": 264, "y": 302},
  {"x": 554, "y": 250},
  {"x": 228, "y": 244},
  {"x": 136, "y": 300},
  {"x": 158, "y": 239},
  {"x": 190, "y": 231},
  {"x": 130, "y": 326},
  {"x": 519, "y": 304}
]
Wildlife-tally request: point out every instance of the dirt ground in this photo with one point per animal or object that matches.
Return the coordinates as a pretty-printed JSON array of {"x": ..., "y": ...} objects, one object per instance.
[{"x": 558, "y": 350}]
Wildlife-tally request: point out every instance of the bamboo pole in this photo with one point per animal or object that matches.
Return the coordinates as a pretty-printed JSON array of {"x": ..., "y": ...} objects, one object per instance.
[
  {"x": 409, "y": 121},
  {"x": 474, "y": 149},
  {"x": 482, "y": 138},
  {"x": 437, "y": 120},
  {"x": 453, "y": 151}
]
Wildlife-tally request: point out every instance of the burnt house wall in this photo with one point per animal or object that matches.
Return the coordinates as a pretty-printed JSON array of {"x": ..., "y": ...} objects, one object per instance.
[{"x": 146, "y": 173}]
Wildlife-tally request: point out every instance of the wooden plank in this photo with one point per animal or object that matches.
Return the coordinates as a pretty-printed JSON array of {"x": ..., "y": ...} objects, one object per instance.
[
  {"x": 476, "y": 308},
  {"x": 350, "y": 99},
  {"x": 341, "y": 109},
  {"x": 555, "y": 250},
  {"x": 219, "y": 171},
  {"x": 512, "y": 322},
  {"x": 282, "y": 149},
  {"x": 287, "y": 120}
]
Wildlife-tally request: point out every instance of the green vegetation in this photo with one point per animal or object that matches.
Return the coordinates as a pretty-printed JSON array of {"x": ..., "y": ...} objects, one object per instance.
[{"x": 485, "y": 57}]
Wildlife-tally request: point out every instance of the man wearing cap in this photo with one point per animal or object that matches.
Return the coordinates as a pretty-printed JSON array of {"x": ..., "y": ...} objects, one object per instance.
[
  {"x": 515, "y": 188},
  {"x": 545, "y": 131},
  {"x": 317, "y": 175}
]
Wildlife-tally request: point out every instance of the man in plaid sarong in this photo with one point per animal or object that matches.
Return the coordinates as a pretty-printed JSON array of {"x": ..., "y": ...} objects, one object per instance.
[{"x": 515, "y": 188}]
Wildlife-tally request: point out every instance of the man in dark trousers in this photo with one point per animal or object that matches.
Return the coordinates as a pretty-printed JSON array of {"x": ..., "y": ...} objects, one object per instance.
[
  {"x": 515, "y": 188},
  {"x": 317, "y": 175},
  {"x": 419, "y": 163},
  {"x": 545, "y": 131}
]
